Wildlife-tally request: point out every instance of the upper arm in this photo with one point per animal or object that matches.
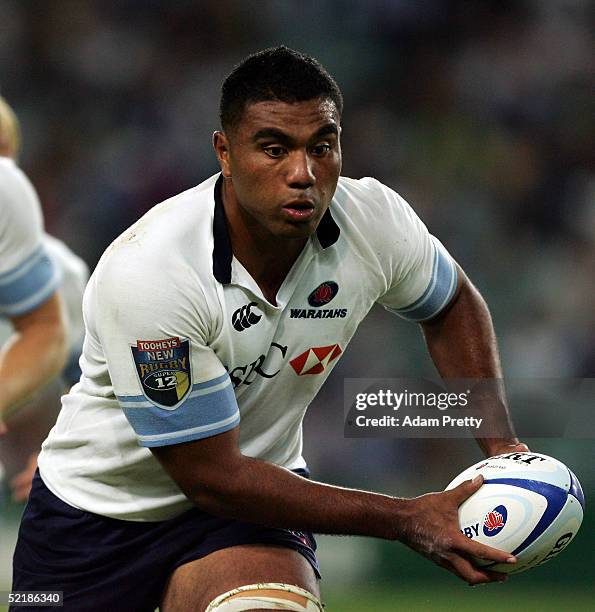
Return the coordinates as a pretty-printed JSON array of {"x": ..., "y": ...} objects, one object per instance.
[
  {"x": 422, "y": 277},
  {"x": 462, "y": 285},
  {"x": 201, "y": 466},
  {"x": 28, "y": 277},
  {"x": 154, "y": 337}
]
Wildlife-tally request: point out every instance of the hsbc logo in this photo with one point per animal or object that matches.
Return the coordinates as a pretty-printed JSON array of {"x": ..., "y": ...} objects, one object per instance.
[
  {"x": 315, "y": 360},
  {"x": 243, "y": 317}
]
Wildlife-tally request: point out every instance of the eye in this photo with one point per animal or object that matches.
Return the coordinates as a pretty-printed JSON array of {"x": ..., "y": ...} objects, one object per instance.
[
  {"x": 321, "y": 149},
  {"x": 274, "y": 151}
]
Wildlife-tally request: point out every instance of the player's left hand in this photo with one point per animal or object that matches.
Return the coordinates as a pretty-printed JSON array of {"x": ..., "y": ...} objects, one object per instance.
[
  {"x": 430, "y": 526},
  {"x": 21, "y": 483},
  {"x": 506, "y": 446}
]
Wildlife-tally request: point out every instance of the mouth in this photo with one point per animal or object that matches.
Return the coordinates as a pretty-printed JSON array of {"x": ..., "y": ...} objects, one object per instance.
[{"x": 299, "y": 210}]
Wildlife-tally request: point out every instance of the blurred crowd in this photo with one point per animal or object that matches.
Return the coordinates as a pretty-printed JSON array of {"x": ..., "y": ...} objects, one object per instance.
[{"x": 480, "y": 113}]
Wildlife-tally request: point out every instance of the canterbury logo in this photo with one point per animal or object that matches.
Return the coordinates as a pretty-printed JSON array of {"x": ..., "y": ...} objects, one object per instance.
[{"x": 243, "y": 317}]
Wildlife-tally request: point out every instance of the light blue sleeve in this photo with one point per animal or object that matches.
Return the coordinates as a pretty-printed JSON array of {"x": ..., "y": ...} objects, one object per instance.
[
  {"x": 209, "y": 409},
  {"x": 29, "y": 284},
  {"x": 439, "y": 291}
]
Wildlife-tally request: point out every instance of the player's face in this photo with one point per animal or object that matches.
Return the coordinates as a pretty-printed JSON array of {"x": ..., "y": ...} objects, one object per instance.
[{"x": 283, "y": 162}]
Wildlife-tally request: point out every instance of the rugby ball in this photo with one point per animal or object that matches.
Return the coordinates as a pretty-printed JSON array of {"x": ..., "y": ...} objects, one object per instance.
[{"x": 530, "y": 505}]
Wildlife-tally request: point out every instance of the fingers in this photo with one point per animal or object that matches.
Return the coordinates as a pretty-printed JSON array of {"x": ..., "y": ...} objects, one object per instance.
[
  {"x": 514, "y": 447},
  {"x": 466, "y": 545},
  {"x": 520, "y": 448},
  {"x": 481, "y": 551},
  {"x": 3, "y": 428},
  {"x": 466, "y": 489},
  {"x": 472, "y": 575}
]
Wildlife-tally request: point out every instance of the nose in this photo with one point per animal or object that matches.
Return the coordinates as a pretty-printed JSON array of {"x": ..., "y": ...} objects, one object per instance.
[{"x": 299, "y": 173}]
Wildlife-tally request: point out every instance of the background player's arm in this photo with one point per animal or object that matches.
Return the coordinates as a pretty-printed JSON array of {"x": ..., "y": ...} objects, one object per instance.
[
  {"x": 462, "y": 343},
  {"x": 34, "y": 354},
  {"x": 219, "y": 479}
]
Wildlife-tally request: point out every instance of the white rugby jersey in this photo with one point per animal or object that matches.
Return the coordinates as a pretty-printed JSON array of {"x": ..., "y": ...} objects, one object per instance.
[
  {"x": 75, "y": 274},
  {"x": 27, "y": 275},
  {"x": 181, "y": 343}
]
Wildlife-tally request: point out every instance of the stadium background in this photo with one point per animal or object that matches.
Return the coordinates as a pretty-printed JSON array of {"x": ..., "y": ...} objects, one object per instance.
[{"x": 479, "y": 113}]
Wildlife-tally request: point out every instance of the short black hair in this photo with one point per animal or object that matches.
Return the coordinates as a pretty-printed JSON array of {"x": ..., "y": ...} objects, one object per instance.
[{"x": 278, "y": 73}]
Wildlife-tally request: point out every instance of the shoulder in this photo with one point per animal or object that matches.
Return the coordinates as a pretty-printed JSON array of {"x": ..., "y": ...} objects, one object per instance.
[
  {"x": 373, "y": 211},
  {"x": 10, "y": 174},
  {"x": 363, "y": 188},
  {"x": 15, "y": 188},
  {"x": 165, "y": 258},
  {"x": 367, "y": 199},
  {"x": 19, "y": 201},
  {"x": 21, "y": 225},
  {"x": 174, "y": 233}
]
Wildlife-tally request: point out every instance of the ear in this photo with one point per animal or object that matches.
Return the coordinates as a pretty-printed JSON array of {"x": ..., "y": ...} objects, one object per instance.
[{"x": 221, "y": 146}]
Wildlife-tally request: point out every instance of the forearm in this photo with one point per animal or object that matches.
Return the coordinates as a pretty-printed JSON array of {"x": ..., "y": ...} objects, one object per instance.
[
  {"x": 30, "y": 358},
  {"x": 463, "y": 345},
  {"x": 261, "y": 492},
  {"x": 214, "y": 475}
]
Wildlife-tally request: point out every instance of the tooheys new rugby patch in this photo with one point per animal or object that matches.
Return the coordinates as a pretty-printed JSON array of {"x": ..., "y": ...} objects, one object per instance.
[{"x": 163, "y": 370}]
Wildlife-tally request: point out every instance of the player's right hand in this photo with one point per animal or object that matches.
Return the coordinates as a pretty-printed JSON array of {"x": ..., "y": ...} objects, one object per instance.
[{"x": 430, "y": 526}]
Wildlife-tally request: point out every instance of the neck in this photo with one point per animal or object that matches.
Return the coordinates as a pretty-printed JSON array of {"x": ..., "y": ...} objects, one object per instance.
[{"x": 266, "y": 257}]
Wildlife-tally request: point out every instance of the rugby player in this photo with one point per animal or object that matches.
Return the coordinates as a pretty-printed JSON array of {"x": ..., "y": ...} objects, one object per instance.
[
  {"x": 174, "y": 474},
  {"x": 33, "y": 331},
  {"x": 29, "y": 280}
]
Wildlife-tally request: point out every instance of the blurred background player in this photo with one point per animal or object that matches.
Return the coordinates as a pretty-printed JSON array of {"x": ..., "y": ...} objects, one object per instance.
[{"x": 41, "y": 328}]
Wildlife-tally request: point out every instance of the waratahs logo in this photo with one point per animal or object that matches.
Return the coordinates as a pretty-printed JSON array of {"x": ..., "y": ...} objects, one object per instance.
[
  {"x": 494, "y": 521},
  {"x": 323, "y": 294}
]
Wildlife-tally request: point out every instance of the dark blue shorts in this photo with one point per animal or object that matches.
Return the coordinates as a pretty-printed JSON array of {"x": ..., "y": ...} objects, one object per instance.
[{"x": 104, "y": 564}]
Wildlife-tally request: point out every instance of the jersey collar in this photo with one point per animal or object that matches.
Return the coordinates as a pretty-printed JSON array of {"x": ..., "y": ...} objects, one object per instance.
[{"x": 327, "y": 233}]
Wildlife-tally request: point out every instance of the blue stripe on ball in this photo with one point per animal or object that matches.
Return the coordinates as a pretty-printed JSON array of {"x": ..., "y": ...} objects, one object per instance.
[
  {"x": 555, "y": 496},
  {"x": 576, "y": 489}
]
